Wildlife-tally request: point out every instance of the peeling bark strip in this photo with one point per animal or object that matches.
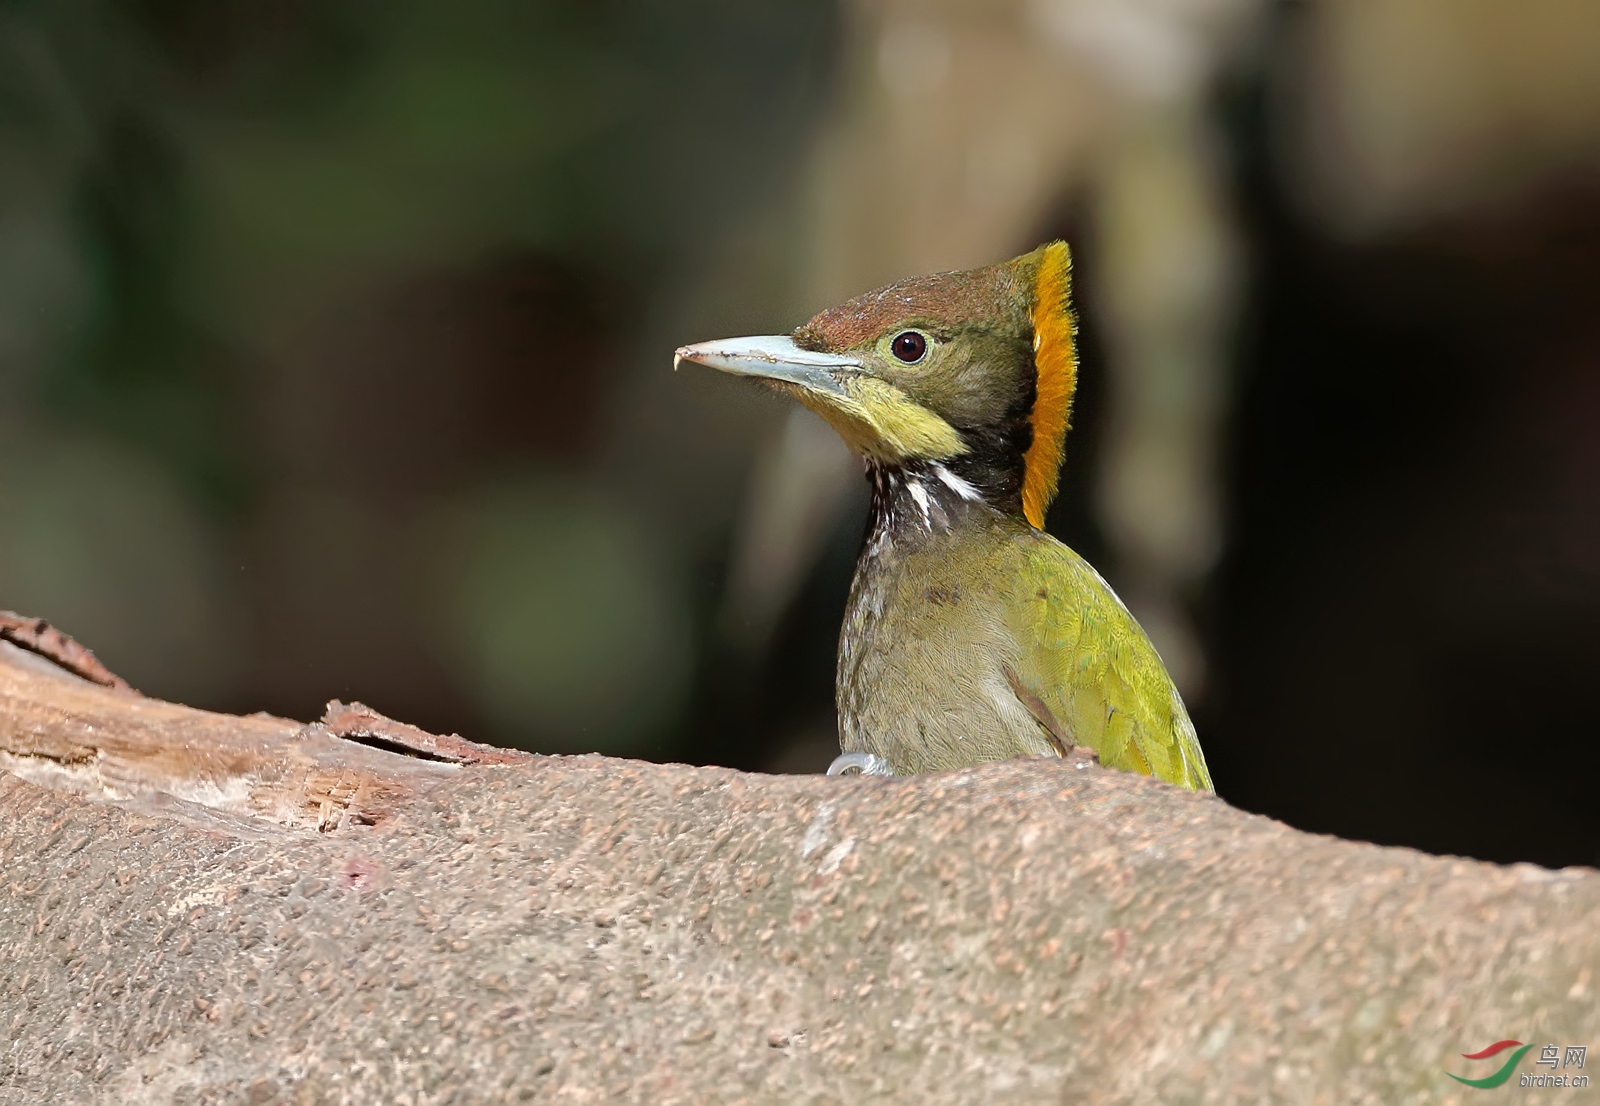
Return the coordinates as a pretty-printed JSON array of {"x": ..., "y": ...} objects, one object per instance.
[
  {"x": 173, "y": 928},
  {"x": 259, "y": 773},
  {"x": 39, "y": 637},
  {"x": 360, "y": 723}
]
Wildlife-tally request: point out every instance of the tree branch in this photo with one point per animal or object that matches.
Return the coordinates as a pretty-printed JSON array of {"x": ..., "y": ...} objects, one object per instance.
[{"x": 205, "y": 908}]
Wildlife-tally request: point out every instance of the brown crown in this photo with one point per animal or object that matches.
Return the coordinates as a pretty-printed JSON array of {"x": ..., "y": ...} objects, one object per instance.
[{"x": 996, "y": 294}]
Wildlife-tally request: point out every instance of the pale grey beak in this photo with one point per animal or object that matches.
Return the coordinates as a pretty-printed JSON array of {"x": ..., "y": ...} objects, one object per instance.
[{"x": 771, "y": 357}]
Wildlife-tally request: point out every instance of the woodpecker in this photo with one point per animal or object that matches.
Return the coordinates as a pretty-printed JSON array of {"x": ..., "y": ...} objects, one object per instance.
[{"x": 970, "y": 634}]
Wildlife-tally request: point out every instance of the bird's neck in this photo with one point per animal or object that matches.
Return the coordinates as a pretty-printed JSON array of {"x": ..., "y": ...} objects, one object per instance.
[{"x": 919, "y": 500}]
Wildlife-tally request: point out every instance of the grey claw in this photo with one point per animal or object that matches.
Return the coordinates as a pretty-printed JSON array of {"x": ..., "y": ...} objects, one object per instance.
[{"x": 859, "y": 764}]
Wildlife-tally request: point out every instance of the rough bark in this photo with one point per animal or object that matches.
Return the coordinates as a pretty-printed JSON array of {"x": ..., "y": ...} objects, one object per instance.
[{"x": 200, "y": 908}]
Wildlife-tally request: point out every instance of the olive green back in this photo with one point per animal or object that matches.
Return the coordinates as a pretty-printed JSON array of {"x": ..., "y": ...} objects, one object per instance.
[{"x": 1095, "y": 669}]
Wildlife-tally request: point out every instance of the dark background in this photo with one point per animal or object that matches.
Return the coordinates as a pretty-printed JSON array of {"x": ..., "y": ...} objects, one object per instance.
[{"x": 335, "y": 361}]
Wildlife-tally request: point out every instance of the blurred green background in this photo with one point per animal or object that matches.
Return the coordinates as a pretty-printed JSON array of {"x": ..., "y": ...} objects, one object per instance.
[{"x": 335, "y": 361}]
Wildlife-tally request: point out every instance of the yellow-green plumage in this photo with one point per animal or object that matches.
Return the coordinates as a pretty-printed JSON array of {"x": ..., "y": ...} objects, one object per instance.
[
  {"x": 995, "y": 640},
  {"x": 1092, "y": 665},
  {"x": 971, "y": 635}
]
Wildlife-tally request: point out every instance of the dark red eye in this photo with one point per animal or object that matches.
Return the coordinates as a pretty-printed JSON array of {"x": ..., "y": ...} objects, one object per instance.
[{"x": 909, "y": 346}]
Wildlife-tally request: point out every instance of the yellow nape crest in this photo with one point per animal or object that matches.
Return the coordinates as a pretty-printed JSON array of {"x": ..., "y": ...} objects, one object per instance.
[{"x": 1056, "y": 359}]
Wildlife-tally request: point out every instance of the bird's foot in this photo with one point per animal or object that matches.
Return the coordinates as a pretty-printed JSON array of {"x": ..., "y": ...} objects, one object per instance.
[{"x": 859, "y": 764}]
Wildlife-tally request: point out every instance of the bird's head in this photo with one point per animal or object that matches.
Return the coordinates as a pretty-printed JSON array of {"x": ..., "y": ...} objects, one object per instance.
[{"x": 972, "y": 369}]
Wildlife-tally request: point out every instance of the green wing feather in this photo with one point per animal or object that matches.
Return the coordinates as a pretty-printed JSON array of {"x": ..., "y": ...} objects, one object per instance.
[{"x": 1087, "y": 661}]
